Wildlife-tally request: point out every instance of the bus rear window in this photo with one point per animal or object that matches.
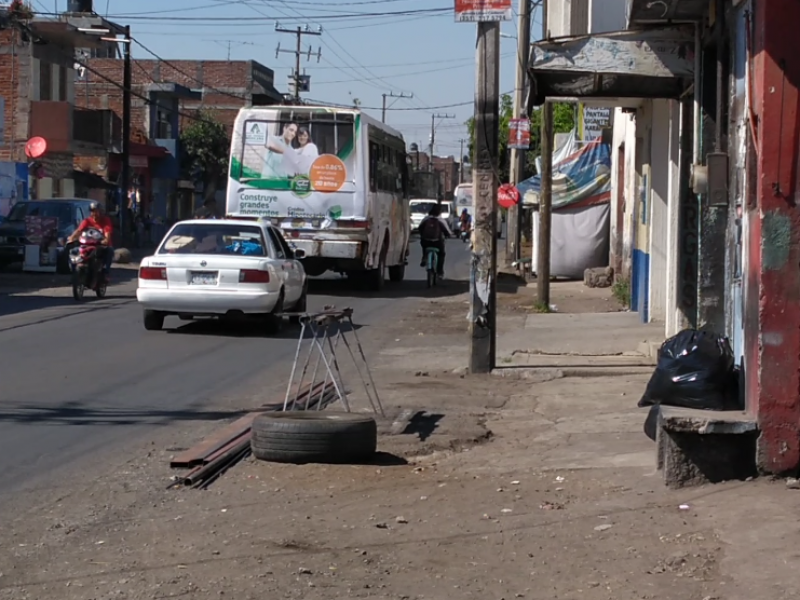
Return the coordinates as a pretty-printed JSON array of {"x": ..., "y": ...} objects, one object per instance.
[{"x": 285, "y": 146}]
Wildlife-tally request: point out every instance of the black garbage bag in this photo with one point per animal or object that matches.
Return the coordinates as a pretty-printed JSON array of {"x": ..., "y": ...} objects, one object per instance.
[
  {"x": 651, "y": 422},
  {"x": 695, "y": 369}
]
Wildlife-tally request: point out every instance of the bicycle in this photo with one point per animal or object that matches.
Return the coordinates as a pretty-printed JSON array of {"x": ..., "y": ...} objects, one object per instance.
[{"x": 432, "y": 262}]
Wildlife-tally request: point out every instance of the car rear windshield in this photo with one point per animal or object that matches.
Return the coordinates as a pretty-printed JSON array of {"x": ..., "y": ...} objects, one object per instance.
[
  {"x": 58, "y": 210},
  {"x": 422, "y": 208},
  {"x": 214, "y": 238}
]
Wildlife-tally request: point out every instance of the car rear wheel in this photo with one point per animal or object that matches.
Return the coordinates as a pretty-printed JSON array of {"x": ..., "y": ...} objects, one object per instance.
[
  {"x": 300, "y": 307},
  {"x": 153, "y": 320},
  {"x": 273, "y": 322}
]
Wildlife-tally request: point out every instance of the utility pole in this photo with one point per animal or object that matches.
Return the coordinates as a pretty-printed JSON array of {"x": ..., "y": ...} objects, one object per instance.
[
  {"x": 462, "y": 141},
  {"x": 518, "y": 156},
  {"x": 298, "y": 51},
  {"x": 125, "y": 179},
  {"x": 545, "y": 206},
  {"x": 433, "y": 135},
  {"x": 546, "y": 195},
  {"x": 483, "y": 290},
  {"x": 392, "y": 95}
]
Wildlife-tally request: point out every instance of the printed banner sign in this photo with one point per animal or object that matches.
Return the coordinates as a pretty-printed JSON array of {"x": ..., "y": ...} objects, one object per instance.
[
  {"x": 300, "y": 164},
  {"x": 481, "y": 11},
  {"x": 519, "y": 134}
]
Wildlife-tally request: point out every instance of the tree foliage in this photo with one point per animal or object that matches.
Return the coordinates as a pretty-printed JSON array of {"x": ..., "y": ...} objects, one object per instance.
[
  {"x": 205, "y": 146},
  {"x": 563, "y": 122}
]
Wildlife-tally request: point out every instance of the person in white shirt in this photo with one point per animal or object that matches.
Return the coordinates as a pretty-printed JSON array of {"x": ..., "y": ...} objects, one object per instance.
[
  {"x": 280, "y": 156},
  {"x": 307, "y": 151}
]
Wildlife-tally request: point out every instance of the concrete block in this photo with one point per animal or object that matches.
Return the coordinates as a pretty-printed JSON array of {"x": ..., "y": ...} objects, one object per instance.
[
  {"x": 698, "y": 446},
  {"x": 599, "y": 277}
]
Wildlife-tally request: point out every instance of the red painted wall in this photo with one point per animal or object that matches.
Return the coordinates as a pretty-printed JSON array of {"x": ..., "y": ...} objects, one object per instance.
[{"x": 773, "y": 361}]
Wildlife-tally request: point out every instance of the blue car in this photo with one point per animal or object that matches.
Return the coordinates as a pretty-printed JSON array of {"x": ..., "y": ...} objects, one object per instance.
[{"x": 69, "y": 212}]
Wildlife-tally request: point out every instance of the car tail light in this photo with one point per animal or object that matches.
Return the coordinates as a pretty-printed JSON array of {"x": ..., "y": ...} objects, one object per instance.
[
  {"x": 253, "y": 276},
  {"x": 153, "y": 273}
]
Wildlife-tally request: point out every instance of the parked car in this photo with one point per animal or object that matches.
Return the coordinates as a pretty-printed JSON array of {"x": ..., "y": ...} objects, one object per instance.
[
  {"x": 224, "y": 267},
  {"x": 69, "y": 212}
]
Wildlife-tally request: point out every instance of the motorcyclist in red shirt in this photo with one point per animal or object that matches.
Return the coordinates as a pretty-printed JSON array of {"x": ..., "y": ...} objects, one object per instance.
[{"x": 97, "y": 220}]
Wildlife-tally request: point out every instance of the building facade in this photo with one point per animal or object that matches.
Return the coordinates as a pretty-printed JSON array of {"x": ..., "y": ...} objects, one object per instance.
[
  {"x": 705, "y": 145},
  {"x": 165, "y": 97},
  {"x": 37, "y": 94}
]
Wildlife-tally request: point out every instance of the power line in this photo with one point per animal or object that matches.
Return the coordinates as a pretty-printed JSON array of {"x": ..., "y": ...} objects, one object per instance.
[{"x": 238, "y": 20}]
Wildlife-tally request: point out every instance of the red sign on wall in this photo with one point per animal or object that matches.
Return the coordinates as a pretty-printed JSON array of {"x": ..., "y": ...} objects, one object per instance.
[
  {"x": 519, "y": 134},
  {"x": 508, "y": 195},
  {"x": 479, "y": 11}
]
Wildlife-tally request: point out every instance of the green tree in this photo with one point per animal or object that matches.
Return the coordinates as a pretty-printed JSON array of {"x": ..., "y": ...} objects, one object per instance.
[
  {"x": 205, "y": 146},
  {"x": 563, "y": 122}
]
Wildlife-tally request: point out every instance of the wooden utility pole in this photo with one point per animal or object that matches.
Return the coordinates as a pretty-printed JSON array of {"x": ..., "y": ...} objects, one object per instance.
[
  {"x": 462, "y": 141},
  {"x": 485, "y": 182},
  {"x": 518, "y": 156},
  {"x": 545, "y": 208},
  {"x": 125, "y": 167},
  {"x": 298, "y": 51},
  {"x": 391, "y": 95},
  {"x": 433, "y": 136}
]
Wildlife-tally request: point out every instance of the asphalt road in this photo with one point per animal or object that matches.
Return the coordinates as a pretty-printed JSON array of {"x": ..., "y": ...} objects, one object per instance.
[{"x": 79, "y": 380}]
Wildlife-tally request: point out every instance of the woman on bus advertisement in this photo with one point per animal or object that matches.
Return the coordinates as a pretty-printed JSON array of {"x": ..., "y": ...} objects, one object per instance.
[{"x": 298, "y": 164}]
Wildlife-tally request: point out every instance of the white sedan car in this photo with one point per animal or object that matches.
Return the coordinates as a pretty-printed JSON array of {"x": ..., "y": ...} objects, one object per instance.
[{"x": 208, "y": 268}]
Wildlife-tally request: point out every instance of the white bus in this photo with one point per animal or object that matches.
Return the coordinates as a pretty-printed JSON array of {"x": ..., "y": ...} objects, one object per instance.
[{"x": 334, "y": 180}]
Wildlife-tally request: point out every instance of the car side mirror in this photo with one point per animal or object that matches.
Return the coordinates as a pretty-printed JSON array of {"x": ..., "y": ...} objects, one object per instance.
[{"x": 299, "y": 253}]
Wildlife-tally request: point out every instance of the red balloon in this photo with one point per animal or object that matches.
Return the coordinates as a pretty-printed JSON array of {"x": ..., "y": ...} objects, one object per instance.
[
  {"x": 508, "y": 195},
  {"x": 36, "y": 147}
]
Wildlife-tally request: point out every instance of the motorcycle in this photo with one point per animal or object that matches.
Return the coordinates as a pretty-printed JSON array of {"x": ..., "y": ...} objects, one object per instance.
[
  {"x": 464, "y": 233},
  {"x": 87, "y": 265}
]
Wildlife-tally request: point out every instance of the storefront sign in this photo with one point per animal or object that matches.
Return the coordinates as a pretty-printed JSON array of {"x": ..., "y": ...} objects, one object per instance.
[
  {"x": 593, "y": 121},
  {"x": 481, "y": 11},
  {"x": 519, "y": 134}
]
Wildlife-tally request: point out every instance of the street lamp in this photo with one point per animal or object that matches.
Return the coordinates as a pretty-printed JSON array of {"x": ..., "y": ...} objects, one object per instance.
[{"x": 125, "y": 178}]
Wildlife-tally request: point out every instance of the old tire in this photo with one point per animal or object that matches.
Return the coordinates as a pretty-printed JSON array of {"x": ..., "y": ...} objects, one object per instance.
[{"x": 301, "y": 437}]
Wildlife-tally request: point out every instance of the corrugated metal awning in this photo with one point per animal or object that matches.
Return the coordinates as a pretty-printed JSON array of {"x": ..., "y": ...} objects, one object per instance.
[{"x": 654, "y": 63}]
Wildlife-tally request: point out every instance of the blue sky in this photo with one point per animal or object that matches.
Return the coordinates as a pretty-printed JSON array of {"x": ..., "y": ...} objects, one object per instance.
[{"x": 428, "y": 55}]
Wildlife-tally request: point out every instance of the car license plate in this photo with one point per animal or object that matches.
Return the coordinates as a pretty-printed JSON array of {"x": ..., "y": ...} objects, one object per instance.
[{"x": 204, "y": 278}]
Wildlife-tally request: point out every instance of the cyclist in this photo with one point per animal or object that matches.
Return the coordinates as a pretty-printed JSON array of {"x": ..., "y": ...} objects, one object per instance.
[{"x": 433, "y": 231}]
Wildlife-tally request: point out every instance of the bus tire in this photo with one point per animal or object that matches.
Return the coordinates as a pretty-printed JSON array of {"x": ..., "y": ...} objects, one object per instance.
[
  {"x": 377, "y": 277},
  {"x": 397, "y": 273}
]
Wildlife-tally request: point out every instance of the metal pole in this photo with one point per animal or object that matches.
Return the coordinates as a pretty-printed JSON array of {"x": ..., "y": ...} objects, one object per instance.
[
  {"x": 461, "y": 163},
  {"x": 125, "y": 179},
  {"x": 485, "y": 183},
  {"x": 297, "y": 64},
  {"x": 383, "y": 112},
  {"x": 545, "y": 204},
  {"x": 518, "y": 156},
  {"x": 433, "y": 134}
]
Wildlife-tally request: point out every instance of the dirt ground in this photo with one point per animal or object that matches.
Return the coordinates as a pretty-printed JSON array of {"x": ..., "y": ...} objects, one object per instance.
[{"x": 504, "y": 489}]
